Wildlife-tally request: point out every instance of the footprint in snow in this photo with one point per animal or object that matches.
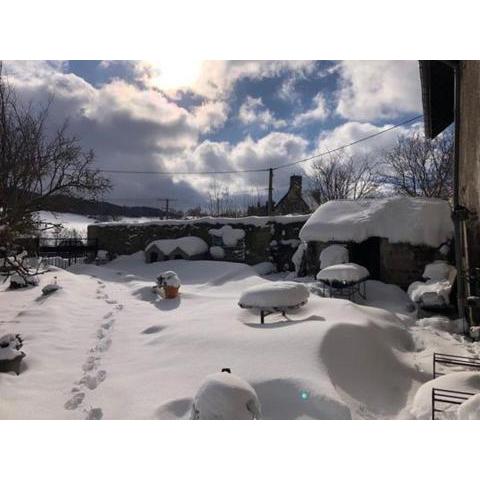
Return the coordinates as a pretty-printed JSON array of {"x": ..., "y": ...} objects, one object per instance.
[
  {"x": 94, "y": 414},
  {"x": 75, "y": 401},
  {"x": 92, "y": 382},
  {"x": 108, "y": 325},
  {"x": 111, "y": 302},
  {"x": 108, "y": 315},
  {"x": 119, "y": 306},
  {"x": 103, "y": 345},
  {"x": 90, "y": 364}
]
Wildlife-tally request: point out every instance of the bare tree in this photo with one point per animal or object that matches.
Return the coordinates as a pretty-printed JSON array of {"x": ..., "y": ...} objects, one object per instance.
[
  {"x": 36, "y": 165},
  {"x": 219, "y": 199},
  {"x": 341, "y": 177},
  {"x": 420, "y": 167}
]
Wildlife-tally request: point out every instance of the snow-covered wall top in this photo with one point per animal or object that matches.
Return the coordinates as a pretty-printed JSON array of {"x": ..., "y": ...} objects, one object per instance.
[
  {"x": 254, "y": 221},
  {"x": 418, "y": 221},
  {"x": 230, "y": 236}
]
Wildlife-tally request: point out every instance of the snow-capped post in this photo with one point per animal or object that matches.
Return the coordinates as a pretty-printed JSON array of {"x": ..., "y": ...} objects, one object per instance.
[
  {"x": 224, "y": 396},
  {"x": 170, "y": 283}
]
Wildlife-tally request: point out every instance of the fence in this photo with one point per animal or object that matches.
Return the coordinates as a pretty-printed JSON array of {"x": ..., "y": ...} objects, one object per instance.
[{"x": 63, "y": 252}]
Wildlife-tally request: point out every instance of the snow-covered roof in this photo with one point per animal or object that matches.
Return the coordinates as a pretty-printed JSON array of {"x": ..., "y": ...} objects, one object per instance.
[
  {"x": 418, "y": 221},
  {"x": 190, "y": 245}
]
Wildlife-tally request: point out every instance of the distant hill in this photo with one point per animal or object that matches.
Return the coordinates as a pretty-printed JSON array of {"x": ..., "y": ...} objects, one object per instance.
[{"x": 61, "y": 203}]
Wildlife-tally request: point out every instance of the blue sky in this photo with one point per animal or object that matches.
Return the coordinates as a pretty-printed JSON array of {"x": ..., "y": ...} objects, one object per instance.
[{"x": 205, "y": 115}]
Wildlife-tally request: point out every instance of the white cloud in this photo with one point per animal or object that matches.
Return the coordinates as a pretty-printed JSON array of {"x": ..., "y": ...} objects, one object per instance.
[
  {"x": 351, "y": 131},
  {"x": 317, "y": 113},
  {"x": 210, "y": 116},
  {"x": 253, "y": 111},
  {"x": 372, "y": 90}
]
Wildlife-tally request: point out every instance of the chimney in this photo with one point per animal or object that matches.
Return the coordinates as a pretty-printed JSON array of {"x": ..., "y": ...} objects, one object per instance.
[{"x": 296, "y": 183}]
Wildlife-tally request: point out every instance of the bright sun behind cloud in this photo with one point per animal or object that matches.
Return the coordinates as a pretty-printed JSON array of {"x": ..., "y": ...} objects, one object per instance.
[{"x": 174, "y": 74}]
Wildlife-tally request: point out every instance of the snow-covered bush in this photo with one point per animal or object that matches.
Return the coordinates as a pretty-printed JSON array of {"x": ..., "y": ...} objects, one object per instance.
[
  {"x": 224, "y": 396},
  {"x": 230, "y": 236}
]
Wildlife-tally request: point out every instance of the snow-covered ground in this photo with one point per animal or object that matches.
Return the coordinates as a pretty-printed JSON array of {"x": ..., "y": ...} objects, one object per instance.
[{"x": 106, "y": 346}]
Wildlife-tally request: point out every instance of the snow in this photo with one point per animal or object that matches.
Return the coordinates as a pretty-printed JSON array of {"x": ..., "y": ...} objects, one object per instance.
[
  {"x": 264, "y": 268},
  {"x": 169, "y": 279},
  {"x": 460, "y": 381},
  {"x": 190, "y": 245},
  {"x": 230, "y": 236},
  {"x": 217, "y": 252},
  {"x": 252, "y": 220},
  {"x": 297, "y": 257},
  {"x": 346, "y": 272},
  {"x": 224, "y": 396},
  {"x": 431, "y": 293},
  {"x": 278, "y": 295},
  {"x": 470, "y": 410},
  {"x": 10, "y": 347},
  {"x": 418, "y": 221},
  {"x": 106, "y": 346},
  {"x": 439, "y": 270},
  {"x": 333, "y": 255},
  {"x": 102, "y": 254}
]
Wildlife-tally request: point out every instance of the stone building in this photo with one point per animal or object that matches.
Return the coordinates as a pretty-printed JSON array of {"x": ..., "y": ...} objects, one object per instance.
[
  {"x": 394, "y": 238},
  {"x": 451, "y": 94}
]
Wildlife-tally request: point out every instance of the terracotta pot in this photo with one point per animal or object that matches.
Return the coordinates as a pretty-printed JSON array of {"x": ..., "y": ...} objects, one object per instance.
[{"x": 171, "y": 292}]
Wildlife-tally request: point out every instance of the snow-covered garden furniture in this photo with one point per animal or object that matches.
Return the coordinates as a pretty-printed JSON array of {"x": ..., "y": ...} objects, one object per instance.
[
  {"x": 274, "y": 297},
  {"x": 224, "y": 396},
  {"x": 343, "y": 280},
  {"x": 22, "y": 281},
  {"x": 333, "y": 255},
  {"x": 434, "y": 293},
  {"x": 10, "y": 354},
  {"x": 170, "y": 283}
]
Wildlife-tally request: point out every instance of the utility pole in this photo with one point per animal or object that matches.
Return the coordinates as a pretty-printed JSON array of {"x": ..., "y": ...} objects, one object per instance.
[
  {"x": 270, "y": 192},
  {"x": 167, "y": 204}
]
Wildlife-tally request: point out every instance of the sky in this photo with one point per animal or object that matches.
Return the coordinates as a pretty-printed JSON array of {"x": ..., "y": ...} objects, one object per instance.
[{"x": 191, "y": 115}]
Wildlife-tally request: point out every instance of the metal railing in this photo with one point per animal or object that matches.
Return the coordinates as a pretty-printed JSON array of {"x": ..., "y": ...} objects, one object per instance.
[
  {"x": 453, "y": 360},
  {"x": 441, "y": 396}
]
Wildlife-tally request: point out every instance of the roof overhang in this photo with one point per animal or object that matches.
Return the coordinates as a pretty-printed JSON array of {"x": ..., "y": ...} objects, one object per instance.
[{"x": 438, "y": 93}]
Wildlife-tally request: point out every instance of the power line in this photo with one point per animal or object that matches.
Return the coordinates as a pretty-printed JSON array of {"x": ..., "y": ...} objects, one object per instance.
[
  {"x": 258, "y": 170},
  {"x": 363, "y": 139}
]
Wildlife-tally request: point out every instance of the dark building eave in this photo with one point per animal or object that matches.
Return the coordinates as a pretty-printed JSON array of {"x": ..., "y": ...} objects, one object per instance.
[{"x": 438, "y": 93}]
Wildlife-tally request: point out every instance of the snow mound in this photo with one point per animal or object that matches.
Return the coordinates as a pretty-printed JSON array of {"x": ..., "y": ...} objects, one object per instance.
[
  {"x": 224, "y": 396},
  {"x": 230, "y": 236},
  {"x": 274, "y": 294},
  {"x": 470, "y": 410},
  {"x": 10, "y": 346},
  {"x": 441, "y": 323},
  {"x": 345, "y": 272},
  {"x": 190, "y": 245},
  {"x": 418, "y": 221},
  {"x": 333, "y": 255},
  {"x": 217, "y": 252},
  {"x": 264, "y": 268},
  {"x": 463, "y": 381}
]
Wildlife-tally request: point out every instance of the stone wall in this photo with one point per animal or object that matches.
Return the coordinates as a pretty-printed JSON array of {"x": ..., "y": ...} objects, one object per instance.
[{"x": 266, "y": 239}]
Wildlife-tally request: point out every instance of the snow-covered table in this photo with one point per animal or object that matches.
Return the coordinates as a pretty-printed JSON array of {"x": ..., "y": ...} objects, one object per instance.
[
  {"x": 343, "y": 280},
  {"x": 274, "y": 297}
]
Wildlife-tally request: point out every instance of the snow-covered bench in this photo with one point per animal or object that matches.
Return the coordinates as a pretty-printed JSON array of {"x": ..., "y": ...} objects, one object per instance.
[
  {"x": 274, "y": 297},
  {"x": 343, "y": 280}
]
